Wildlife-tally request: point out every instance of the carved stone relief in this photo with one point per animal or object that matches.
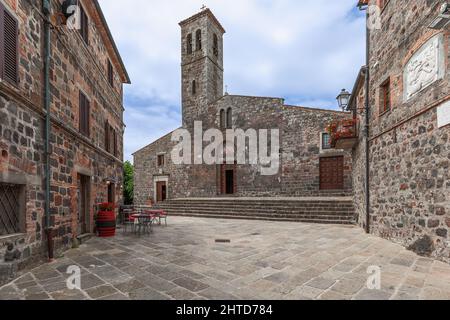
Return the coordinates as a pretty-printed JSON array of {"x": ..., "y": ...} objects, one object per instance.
[{"x": 425, "y": 67}]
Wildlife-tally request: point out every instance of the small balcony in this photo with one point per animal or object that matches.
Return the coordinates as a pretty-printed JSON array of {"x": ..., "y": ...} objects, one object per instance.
[{"x": 344, "y": 134}]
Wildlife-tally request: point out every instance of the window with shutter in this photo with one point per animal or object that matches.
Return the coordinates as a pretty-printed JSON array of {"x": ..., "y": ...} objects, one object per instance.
[
  {"x": 115, "y": 144},
  {"x": 110, "y": 74},
  {"x": 84, "y": 25},
  {"x": 106, "y": 136},
  {"x": 9, "y": 46},
  {"x": 84, "y": 115}
]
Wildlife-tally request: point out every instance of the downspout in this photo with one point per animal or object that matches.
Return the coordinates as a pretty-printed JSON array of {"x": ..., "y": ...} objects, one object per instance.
[
  {"x": 367, "y": 124},
  {"x": 47, "y": 40}
]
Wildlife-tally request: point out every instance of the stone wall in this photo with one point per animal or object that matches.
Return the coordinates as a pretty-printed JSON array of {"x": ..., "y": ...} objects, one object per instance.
[
  {"x": 409, "y": 154},
  {"x": 299, "y": 128},
  {"x": 75, "y": 66},
  {"x": 300, "y": 143}
]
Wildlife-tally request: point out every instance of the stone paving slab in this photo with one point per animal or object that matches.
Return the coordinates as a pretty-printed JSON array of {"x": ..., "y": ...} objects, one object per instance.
[{"x": 263, "y": 260}]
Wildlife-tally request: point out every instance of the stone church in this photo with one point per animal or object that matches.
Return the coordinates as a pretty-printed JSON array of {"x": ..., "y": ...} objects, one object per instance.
[{"x": 308, "y": 167}]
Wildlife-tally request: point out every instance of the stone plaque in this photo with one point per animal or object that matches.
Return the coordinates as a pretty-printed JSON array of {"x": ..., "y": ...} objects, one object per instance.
[
  {"x": 443, "y": 114},
  {"x": 425, "y": 67}
]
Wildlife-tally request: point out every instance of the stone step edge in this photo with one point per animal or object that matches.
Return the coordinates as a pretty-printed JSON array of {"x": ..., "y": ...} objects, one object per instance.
[{"x": 314, "y": 221}]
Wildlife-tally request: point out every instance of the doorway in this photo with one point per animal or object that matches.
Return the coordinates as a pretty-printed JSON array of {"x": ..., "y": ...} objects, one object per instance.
[
  {"x": 161, "y": 191},
  {"x": 83, "y": 204},
  {"x": 228, "y": 179},
  {"x": 332, "y": 173},
  {"x": 111, "y": 193}
]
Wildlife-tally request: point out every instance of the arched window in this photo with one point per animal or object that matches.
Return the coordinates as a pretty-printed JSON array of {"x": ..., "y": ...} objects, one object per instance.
[
  {"x": 229, "y": 118},
  {"x": 198, "y": 40},
  {"x": 222, "y": 119},
  {"x": 194, "y": 87},
  {"x": 189, "y": 43},
  {"x": 215, "y": 45}
]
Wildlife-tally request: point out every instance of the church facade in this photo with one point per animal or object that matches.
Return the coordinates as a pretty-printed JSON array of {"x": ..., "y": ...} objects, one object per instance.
[{"x": 306, "y": 165}]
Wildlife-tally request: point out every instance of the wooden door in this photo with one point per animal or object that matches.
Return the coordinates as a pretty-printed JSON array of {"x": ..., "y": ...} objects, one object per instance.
[
  {"x": 83, "y": 204},
  {"x": 332, "y": 173},
  {"x": 161, "y": 191}
]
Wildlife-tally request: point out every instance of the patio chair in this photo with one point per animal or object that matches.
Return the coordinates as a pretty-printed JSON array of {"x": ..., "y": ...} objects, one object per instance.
[
  {"x": 162, "y": 216},
  {"x": 127, "y": 220}
]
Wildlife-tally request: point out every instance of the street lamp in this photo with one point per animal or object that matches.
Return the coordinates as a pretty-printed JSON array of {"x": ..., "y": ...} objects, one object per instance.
[
  {"x": 343, "y": 99},
  {"x": 443, "y": 19}
]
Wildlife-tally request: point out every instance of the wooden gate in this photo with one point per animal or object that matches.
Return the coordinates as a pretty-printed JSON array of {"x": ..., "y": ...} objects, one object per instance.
[{"x": 332, "y": 173}]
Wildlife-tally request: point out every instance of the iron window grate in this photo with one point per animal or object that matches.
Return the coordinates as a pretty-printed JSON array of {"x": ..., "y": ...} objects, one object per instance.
[{"x": 9, "y": 209}]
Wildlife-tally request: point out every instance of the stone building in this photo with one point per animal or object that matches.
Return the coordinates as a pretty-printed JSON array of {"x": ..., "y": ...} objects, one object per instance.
[
  {"x": 308, "y": 167},
  {"x": 86, "y": 142},
  {"x": 409, "y": 129}
]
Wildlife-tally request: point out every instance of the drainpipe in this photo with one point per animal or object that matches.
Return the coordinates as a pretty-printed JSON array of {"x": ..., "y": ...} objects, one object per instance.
[
  {"x": 367, "y": 124},
  {"x": 47, "y": 38}
]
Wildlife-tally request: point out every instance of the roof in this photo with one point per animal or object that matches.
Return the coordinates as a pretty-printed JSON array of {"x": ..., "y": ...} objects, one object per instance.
[
  {"x": 314, "y": 109},
  {"x": 150, "y": 144},
  {"x": 360, "y": 80},
  {"x": 201, "y": 14},
  {"x": 125, "y": 76}
]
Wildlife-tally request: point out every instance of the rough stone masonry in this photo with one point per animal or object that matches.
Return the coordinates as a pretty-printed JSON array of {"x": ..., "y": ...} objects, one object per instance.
[
  {"x": 79, "y": 67},
  {"x": 409, "y": 152},
  {"x": 301, "y": 130}
]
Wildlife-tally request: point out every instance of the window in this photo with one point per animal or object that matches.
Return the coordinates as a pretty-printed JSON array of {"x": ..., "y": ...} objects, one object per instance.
[
  {"x": 161, "y": 160},
  {"x": 9, "y": 47},
  {"x": 110, "y": 74},
  {"x": 385, "y": 97},
  {"x": 111, "y": 140},
  {"x": 12, "y": 205},
  {"x": 229, "y": 118},
  {"x": 194, "y": 87},
  {"x": 189, "y": 44},
  {"x": 84, "y": 115},
  {"x": 326, "y": 141},
  {"x": 222, "y": 119},
  {"x": 198, "y": 40},
  {"x": 215, "y": 45},
  {"x": 84, "y": 25}
]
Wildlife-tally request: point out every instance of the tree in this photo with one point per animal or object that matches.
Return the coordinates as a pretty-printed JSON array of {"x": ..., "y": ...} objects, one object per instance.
[{"x": 128, "y": 190}]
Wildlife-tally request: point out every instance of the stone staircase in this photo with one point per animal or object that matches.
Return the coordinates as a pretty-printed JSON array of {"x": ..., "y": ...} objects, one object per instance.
[{"x": 326, "y": 210}]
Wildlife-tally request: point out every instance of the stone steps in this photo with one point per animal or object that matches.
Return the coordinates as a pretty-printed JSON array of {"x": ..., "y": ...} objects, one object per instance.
[{"x": 321, "y": 210}]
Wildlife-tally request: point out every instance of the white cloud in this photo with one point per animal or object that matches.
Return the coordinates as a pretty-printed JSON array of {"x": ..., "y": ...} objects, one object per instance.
[{"x": 305, "y": 51}]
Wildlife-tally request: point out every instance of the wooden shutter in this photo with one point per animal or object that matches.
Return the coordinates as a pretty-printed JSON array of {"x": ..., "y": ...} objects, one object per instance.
[
  {"x": 110, "y": 74},
  {"x": 9, "y": 46},
  {"x": 107, "y": 136},
  {"x": 84, "y": 115},
  {"x": 84, "y": 25},
  {"x": 115, "y": 143}
]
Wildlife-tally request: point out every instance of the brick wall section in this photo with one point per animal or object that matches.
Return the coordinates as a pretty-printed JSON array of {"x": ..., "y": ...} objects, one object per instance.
[
  {"x": 74, "y": 67},
  {"x": 409, "y": 154}
]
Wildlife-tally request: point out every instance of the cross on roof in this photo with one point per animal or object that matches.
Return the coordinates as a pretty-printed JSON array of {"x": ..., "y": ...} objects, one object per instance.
[{"x": 203, "y": 7}]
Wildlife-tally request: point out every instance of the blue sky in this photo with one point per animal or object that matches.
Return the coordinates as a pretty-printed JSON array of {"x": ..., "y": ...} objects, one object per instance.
[{"x": 305, "y": 51}]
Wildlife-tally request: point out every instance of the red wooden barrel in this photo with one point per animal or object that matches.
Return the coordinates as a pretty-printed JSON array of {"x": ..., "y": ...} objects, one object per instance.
[{"x": 106, "y": 222}]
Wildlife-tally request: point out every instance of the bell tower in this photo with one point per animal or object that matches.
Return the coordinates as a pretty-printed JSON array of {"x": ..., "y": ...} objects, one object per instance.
[{"x": 201, "y": 64}]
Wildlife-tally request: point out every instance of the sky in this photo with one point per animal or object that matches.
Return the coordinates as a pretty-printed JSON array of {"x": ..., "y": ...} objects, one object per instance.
[{"x": 305, "y": 51}]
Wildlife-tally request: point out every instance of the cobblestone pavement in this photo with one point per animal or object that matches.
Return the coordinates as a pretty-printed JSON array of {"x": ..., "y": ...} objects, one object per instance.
[{"x": 264, "y": 260}]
